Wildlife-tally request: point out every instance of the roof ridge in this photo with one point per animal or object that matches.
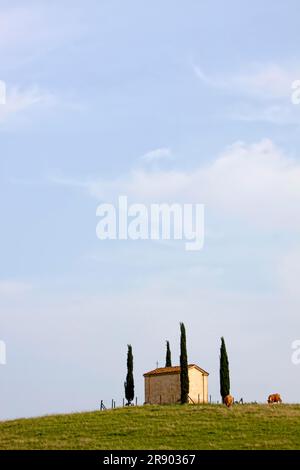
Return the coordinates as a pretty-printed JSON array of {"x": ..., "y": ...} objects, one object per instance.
[{"x": 172, "y": 369}]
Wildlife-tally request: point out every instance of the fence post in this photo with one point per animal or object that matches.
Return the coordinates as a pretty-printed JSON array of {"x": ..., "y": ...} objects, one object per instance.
[
  {"x": 102, "y": 406},
  {"x": 135, "y": 401}
]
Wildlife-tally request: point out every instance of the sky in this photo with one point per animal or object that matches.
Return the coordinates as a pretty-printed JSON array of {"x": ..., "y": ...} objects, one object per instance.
[{"x": 174, "y": 102}]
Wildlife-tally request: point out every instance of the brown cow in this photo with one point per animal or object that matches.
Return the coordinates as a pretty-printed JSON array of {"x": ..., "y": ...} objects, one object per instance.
[
  {"x": 228, "y": 401},
  {"x": 274, "y": 398}
]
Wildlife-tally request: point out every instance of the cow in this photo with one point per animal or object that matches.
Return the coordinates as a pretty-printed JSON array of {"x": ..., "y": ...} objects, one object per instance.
[
  {"x": 228, "y": 401},
  {"x": 274, "y": 398}
]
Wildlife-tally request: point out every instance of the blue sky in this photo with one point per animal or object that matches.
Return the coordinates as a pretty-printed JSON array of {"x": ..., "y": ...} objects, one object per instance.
[{"x": 161, "y": 101}]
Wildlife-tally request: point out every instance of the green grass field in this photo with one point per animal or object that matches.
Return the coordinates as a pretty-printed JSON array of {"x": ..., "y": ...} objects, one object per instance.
[{"x": 160, "y": 427}]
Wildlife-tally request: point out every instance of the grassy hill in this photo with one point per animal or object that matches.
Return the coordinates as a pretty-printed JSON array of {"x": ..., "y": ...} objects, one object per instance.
[{"x": 160, "y": 427}]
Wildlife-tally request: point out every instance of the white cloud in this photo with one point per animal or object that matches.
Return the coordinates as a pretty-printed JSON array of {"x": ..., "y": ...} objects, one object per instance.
[
  {"x": 157, "y": 154},
  {"x": 18, "y": 101},
  {"x": 11, "y": 288},
  {"x": 269, "y": 81},
  {"x": 208, "y": 80},
  {"x": 256, "y": 183},
  {"x": 277, "y": 114}
]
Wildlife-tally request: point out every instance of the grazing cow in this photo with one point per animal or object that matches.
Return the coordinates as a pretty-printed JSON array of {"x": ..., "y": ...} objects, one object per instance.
[
  {"x": 228, "y": 401},
  {"x": 274, "y": 398}
]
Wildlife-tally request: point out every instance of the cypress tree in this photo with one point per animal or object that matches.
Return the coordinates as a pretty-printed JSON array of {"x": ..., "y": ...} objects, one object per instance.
[
  {"x": 168, "y": 356},
  {"x": 129, "y": 384},
  {"x": 184, "y": 371},
  {"x": 224, "y": 371}
]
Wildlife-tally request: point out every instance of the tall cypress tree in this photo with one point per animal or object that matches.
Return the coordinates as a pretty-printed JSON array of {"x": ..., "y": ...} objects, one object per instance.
[
  {"x": 129, "y": 384},
  {"x": 168, "y": 356},
  {"x": 184, "y": 370},
  {"x": 224, "y": 371}
]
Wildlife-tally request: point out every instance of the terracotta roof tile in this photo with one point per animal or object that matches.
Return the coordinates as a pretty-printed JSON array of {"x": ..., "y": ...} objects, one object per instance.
[{"x": 171, "y": 370}]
